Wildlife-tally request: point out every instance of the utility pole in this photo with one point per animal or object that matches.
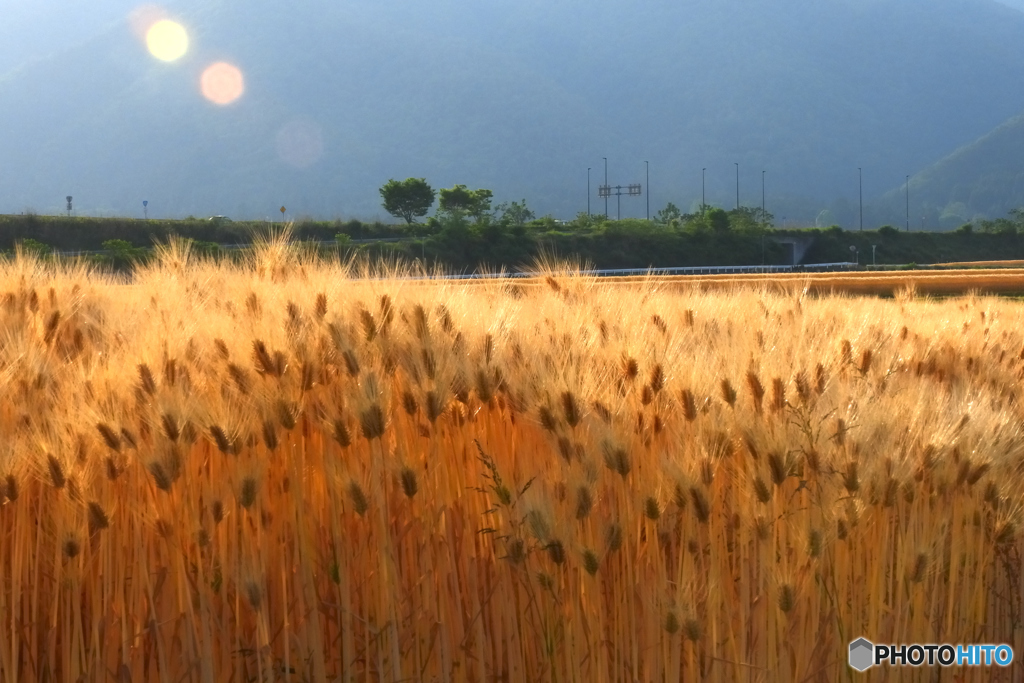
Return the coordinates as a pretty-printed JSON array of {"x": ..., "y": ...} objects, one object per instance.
[
  {"x": 606, "y": 185},
  {"x": 588, "y": 192},
  {"x": 648, "y": 167},
  {"x": 737, "y": 184},
  {"x": 860, "y": 184}
]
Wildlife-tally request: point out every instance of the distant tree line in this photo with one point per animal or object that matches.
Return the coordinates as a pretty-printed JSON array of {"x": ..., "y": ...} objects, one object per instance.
[{"x": 468, "y": 231}]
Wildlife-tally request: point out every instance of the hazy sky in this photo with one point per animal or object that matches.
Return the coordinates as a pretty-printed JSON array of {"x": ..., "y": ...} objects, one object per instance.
[
  {"x": 30, "y": 29},
  {"x": 360, "y": 149}
]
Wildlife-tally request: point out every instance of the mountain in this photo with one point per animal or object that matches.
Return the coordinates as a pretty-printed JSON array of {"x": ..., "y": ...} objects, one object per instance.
[
  {"x": 517, "y": 96},
  {"x": 981, "y": 180},
  {"x": 1016, "y": 4}
]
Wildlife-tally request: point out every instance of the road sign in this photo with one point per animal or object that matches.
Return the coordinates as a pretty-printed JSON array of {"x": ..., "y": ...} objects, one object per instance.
[
  {"x": 145, "y": 203},
  {"x": 634, "y": 190}
]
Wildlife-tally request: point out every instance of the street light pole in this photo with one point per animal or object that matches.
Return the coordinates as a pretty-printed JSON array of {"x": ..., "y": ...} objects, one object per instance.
[
  {"x": 764, "y": 221},
  {"x": 860, "y": 185},
  {"x": 588, "y": 192},
  {"x": 606, "y": 185},
  {"x": 873, "y": 254},
  {"x": 703, "y": 202},
  {"x": 737, "y": 184},
  {"x": 648, "y": 167}
]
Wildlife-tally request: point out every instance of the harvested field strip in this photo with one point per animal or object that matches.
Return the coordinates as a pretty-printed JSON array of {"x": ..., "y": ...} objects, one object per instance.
[
  {"x": 983, "y": 264},
  {"x": 874, "y": 283}
]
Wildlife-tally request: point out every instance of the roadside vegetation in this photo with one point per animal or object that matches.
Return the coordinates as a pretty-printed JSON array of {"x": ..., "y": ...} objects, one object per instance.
[{"x": 468, "y": 232}]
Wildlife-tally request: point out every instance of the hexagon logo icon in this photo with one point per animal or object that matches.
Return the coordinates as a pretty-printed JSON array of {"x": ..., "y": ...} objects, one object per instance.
[{"x": 861, "y": 654}]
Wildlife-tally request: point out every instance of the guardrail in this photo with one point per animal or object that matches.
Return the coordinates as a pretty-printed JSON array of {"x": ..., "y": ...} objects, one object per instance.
[{"x": 640, "y": 272}]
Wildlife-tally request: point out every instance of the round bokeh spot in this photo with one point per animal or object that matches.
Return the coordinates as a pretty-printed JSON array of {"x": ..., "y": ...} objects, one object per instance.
[{"x": 222, "y": 83}]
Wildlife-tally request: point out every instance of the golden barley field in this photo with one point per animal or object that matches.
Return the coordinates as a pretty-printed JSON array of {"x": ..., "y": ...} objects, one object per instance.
[{"x": 280, "y": 471}]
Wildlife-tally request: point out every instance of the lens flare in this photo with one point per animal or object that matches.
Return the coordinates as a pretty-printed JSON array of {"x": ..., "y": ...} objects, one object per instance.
[
  {"x": 142, "y": 18},
  {"x": 167, "y": 40},
  {"x": 300, "y": 143},
  {"x": 222, "y": 83}
]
